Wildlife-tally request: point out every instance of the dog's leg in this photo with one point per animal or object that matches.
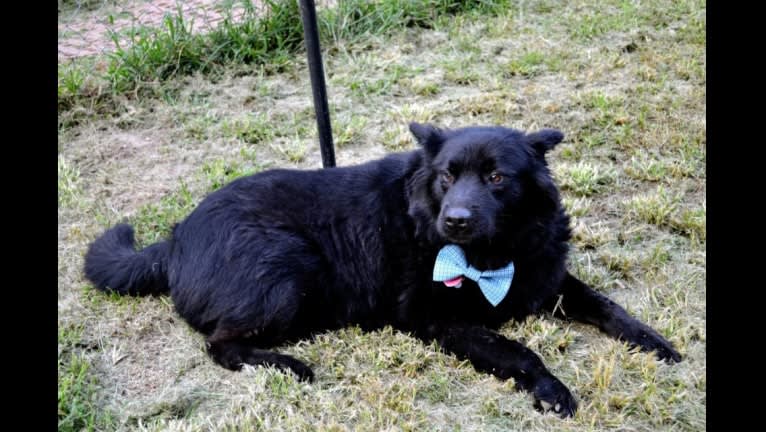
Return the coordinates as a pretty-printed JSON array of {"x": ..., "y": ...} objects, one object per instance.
[
  {"x": 231, "y": 349},
  {"x": 492, "y": 353},
  {"x": 263, "y": 299},
  {"x": 580, "y": 302}
]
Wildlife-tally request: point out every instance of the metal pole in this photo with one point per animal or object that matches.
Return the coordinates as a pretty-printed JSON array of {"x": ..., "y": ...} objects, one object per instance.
[{"x": 316, "y": 70}]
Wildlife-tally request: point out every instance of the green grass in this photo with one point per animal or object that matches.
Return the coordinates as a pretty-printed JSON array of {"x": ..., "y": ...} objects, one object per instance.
[
  {"x": 583, "y": 178},
  {"x": 577, "y": 207},
  {"x": 347, "y": 128},
  {"x": 355, "y": 19},
  {"x": 155, "y": 55},
  {"x": 528, "y": 64},
  {"x": 219, "y": 173},
  {"x": 262, "y": 128},
  {"x": 622, "y": 16},
  {"x": 153, "y": 222},
  {"x": 77, "y": 387},
  {"x": 252, "y": 129},
  {"x": 659, "y": 169},
  {"x": 608, "y": 110},
  {"x": 68, "y": 182},
  {"x": 293, "y": 151},
  {"x": 152, "y": 55},
  {"x": 145, "y": 57},
  {"x": 198, "y": 127},
  {"x": 653, "y": 208},
  {"x": 70, "y": 81},
  {"x": 392, "y": 79},
  {"x": 397, "y": 138},
  {"x": 460, "y": 72},
  {"x": 692, "y": 223},
  {"x": 257, "y": 39},
  {"x": 77, "y": 409}
]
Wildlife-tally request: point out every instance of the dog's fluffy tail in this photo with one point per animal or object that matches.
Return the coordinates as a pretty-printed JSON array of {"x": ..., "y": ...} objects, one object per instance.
[{"x": 113, "y": 264}]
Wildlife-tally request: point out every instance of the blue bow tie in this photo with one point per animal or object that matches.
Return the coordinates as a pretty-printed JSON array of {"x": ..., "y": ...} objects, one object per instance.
[{"x": 451, "y": 265}]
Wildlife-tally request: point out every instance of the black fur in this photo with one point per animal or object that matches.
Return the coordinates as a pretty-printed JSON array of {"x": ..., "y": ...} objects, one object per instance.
[{"x": 284, "y": 254}]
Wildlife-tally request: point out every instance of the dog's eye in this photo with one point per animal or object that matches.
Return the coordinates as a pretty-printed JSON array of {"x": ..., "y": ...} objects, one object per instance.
[
  {"x": 495, "y": 178},
  {"x": 447, "y": 177}
]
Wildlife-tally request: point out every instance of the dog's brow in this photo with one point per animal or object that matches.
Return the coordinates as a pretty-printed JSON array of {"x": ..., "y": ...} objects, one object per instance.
[
  {"x": 488, "y": 165},
  {"x": 454, "y": 167}
]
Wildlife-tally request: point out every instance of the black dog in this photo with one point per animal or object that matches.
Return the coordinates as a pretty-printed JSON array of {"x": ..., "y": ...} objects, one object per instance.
[{"x": 283, "y": 254}]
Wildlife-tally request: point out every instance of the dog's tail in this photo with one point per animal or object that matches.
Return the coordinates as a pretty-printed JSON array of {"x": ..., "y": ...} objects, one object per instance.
[{"x": 113, "y": 264}]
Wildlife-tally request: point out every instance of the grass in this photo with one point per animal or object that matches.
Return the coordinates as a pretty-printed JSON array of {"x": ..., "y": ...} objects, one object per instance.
[
  {"x": 347, "y": 128},
  {"x": 584, "y": 179},
  {"x": 158, "y": 54},
  {"x": 145, "y": 56},
  {"x": 654, "y": 208},
  {"x": 631, "y": 171},
  {"x": 68, "y": 182},
  {"x": 659, "y": 169},
  {"x": 251, "y": 130},
  {"x": 531, "y": 63},
  {"x": 154, "y": 221},
  {"x": 78, "y": 407},
  {"x": 356, "y": 19}
]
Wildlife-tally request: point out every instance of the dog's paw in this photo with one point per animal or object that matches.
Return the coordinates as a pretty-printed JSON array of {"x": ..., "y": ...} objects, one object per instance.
[
  {"x": 300, "y": 369},
  {"x": 668, "y": 354},
  {"x": 648, "y": 340},
  {"x": 285, "y": 363},
  {"x": 551, "y": 395},
  {"x": 233, "y": 356}
]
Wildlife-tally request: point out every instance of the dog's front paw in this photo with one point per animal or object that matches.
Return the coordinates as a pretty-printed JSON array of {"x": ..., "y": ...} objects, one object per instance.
[
  {"x": 649, "y": 340},
  {"x": 303, "y": 372},
  {"x": 667, "y": 353},
  {"x": 551, "y": 395}
]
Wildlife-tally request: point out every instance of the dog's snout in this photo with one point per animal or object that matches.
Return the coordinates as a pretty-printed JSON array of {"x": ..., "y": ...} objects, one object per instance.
[{"x": 457, "y": 218}]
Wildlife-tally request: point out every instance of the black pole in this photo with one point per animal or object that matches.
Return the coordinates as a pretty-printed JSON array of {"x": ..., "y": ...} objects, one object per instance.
[{"x": 311, "y": 36}]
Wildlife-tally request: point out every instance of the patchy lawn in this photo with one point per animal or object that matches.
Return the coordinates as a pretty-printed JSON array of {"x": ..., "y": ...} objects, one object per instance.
[{"x": 625, "y": 81}]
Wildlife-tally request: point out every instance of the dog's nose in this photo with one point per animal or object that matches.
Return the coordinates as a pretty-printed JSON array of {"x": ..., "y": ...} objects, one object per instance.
[{"x": 457, "y": 218}]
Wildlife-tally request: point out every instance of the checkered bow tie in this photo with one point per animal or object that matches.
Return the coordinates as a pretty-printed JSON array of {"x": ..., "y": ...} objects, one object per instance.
[{"x": 451, "y": 266}]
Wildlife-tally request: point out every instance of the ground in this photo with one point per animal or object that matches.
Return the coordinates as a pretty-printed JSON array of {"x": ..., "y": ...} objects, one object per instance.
[{"x": 625, "y": 81}]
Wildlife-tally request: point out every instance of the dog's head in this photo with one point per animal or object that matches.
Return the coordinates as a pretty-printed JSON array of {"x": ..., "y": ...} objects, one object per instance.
[{"x": 479, "y": 184}]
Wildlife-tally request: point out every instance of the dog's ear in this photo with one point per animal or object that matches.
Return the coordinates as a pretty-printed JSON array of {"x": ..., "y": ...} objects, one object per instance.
[
  {"x": 429, "y": 137},
  {"x": 544, "y": 140}
]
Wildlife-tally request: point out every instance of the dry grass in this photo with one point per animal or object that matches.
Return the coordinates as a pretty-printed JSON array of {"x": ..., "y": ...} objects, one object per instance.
[{"x": 626, "y": 83}]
